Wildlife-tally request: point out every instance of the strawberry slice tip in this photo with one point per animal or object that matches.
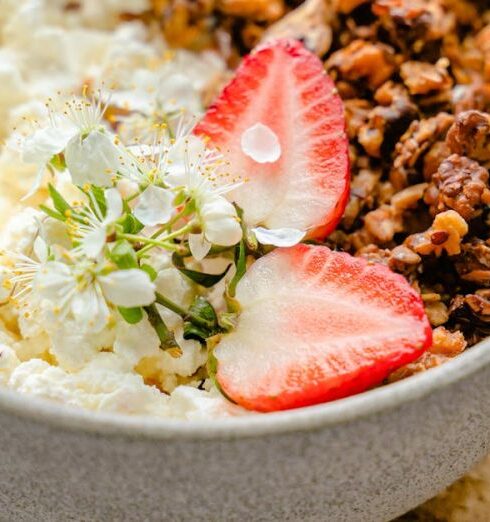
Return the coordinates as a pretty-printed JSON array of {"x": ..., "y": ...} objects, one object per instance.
[
  {"x": 315, "y": 326},
  {"x": 282, "y": 97}
]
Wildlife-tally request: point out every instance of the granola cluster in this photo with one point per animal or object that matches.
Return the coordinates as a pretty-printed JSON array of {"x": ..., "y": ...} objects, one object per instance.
[{"x": 415, "y": 79}]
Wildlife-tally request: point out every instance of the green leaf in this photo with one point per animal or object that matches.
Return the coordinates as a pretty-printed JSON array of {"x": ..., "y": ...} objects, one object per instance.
[
  {"x": 59, "y": 202},
  {"x": 196, "y": 333},
  {"x": 131, "y": 315},
  {"x": 99, "y": 196},
  {"x": 52, "y": 213},
  {"x": 241, "y": 267},
  {"x": 150, "y": 271},
  {"x": 201, "y": 278},
  {"x": 131, "y": 225},
  {"x": 123, "y": 255},
  {"x": 205, "y": 311}
]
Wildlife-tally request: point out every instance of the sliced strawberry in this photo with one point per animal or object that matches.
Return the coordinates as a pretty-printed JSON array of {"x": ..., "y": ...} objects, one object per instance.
[
  {"x": 284, "y": 86},
  {"x": 318, "y": 325}
]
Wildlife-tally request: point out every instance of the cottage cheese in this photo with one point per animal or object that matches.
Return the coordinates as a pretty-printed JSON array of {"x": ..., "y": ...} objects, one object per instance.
[{"x": 45, "y": 49}]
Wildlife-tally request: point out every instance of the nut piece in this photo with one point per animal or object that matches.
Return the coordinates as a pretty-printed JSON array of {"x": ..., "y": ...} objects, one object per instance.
[
  {"x": 385, "y": 125},
  {"x": 470, "y": 135},
  {"x": 447, "y": 343},
  {"x": 347, "y": 6},
  {"x": 414, "y": 21},
  {"x": 423, "y": 77},
  {"x": 460, "y": 184},
  {"x": 474, "y": 262},
  {"x": 267, "y": 10},
  {"x": 445, "y": 346},
  {"x": 383, "y": 223},
  {"x": 308, "y": 23},
  {"x": 361, "y": 59},
  {"x": 416, "y": 141},
  {"x": 409, "y": 197}
]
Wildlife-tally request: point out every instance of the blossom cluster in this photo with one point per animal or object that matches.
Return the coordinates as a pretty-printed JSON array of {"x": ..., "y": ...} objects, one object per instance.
[{"x": 93, "y": 260}]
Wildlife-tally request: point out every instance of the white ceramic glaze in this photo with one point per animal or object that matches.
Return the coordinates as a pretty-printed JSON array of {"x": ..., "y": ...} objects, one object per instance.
[{"x": 366, "y": 458}]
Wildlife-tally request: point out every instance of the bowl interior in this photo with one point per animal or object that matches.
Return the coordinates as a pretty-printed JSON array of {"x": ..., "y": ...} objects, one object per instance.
[{"x": 343, "y": 410}]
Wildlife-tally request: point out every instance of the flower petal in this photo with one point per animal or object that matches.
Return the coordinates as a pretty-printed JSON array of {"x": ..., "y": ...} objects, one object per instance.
[
  {"x": 128, "y": 288},
  {"x": 199, "y": 246},
  {"x": 280, "y": 237},
  {"x": 114, "y": 205},
  {"x": 40, "y": 249},
  {"x": 37, "y": 183},
  {"x": 154, "y": 206},
  {"x": 94, "y": 159},
  {"x": 261, "y": 143},
  {"x": 220, "y": 222},
  {"x": 41, "y": 146},
  {"x": 93, "y": 242},
  {"x": 90, "y": 309},
  {"x": 54, "y": 282}
]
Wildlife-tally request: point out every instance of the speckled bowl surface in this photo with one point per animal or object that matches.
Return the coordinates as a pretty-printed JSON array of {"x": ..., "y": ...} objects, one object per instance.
[{"x": 366, "y": 458}]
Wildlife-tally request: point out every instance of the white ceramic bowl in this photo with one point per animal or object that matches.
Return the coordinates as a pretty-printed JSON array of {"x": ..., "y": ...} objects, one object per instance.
[{"x": 366, "y": 458}]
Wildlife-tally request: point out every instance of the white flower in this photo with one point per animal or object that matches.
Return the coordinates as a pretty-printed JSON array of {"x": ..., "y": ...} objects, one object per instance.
[
  {"x": 92, "y": 159},
  {"x": 83, "y": 292},
  {"x": 93, "y": 228},
  {"x": 219, "y": 221},
  {"x": 90, "y": 152},
  {"x": 153, "y": 94},
  {"x": 187, "y": 160},
  {"x": 154, "y": 206},
  {"x": 199, "y": 246},
  {"x": 280, "y": 237},
  {"x": 261, "y": 143},
  {"x": 195, "y": 169},
  {"x": 220, "y": 226}
]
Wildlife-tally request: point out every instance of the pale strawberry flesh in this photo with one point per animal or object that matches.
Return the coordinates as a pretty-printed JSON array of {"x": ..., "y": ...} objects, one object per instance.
[
  {"x": 284, "y": 86},
  {"x": 318, "y": 325}
]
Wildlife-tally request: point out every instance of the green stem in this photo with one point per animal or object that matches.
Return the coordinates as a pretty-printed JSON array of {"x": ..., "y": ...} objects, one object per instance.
[
  {"x": 187, "y": 316},
  {"x": 167, "y": 339},
  {"x": 152, "y": 242},
  {"x": 148, "y": 241},
  {"x": 133, "y": 196},
  {"x": 241, "y": 267},
  {"x": 168, "y": 225}
]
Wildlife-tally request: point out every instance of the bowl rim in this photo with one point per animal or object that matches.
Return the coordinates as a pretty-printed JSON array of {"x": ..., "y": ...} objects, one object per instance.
[{"x": 356, "y": 407}]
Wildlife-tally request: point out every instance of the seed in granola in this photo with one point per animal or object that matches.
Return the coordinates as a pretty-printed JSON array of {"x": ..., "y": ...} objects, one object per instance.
[
  {"x": 439, "y": 237},
  {"x": 451, "y": 224}
]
